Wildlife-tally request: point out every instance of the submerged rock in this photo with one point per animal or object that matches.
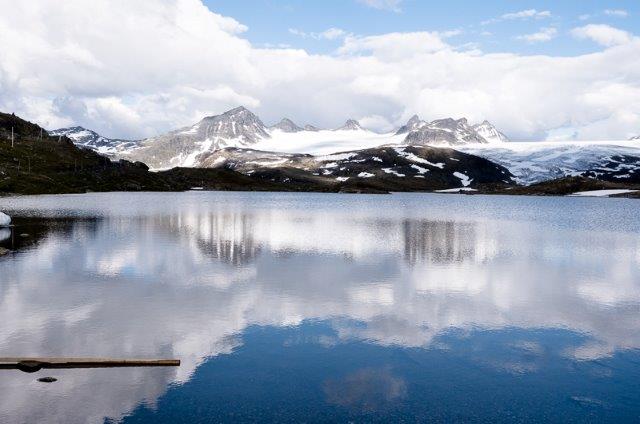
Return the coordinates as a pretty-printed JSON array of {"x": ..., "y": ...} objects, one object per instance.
[
  {"x": 5, "y": 220},
  {"x": 47, "y": 379}
]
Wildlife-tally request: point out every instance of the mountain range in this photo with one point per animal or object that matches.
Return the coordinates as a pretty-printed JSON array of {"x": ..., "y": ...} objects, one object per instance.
[
  {"x": 32, "y": 161},
  {"x": 239, "y": 127},
  {"x": 239, "y": 140}
]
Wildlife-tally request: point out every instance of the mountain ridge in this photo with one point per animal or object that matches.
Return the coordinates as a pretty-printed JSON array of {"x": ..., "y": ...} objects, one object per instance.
[{"x": 239, "y": 127}]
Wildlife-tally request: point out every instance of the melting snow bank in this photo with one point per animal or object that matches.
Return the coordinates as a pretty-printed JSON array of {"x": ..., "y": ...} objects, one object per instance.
[
  {"x": 5, "y": 220},
  {"x": 601, "y": 193},
  {"x": 456, "y": 190}
]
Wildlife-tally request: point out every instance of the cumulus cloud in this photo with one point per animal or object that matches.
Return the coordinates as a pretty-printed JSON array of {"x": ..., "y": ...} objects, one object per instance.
[
  {"x": 145, "y": 67},
  {"x": 545, "y": 34},
  {"x": 392, "y": 5},
  {"x": 604, "y": 35}
]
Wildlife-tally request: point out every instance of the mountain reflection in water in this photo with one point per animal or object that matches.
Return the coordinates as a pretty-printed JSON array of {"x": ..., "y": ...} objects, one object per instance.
[{"x": 187, "y": 275}]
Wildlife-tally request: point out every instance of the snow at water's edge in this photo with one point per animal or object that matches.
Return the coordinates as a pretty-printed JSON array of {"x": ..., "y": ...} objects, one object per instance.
[{"x": 601, "y": 193}]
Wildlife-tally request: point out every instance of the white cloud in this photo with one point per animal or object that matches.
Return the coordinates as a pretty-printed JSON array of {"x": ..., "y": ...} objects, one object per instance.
[
  {"x": 545, "y": 34},
  {"x": 604, "y": 35},
  {"x": 392, "y": 5},
  {"x": 616, "y": 12},
  {"x": 329, "y": 34},
  {"x": 523, "y": 14},
  {"x": 394, "y": 46},
  {"x": 170, "y": 63}
]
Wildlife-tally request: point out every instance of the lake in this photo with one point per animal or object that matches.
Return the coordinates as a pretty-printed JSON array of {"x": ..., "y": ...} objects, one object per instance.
[{"x": 323, "y": 307}]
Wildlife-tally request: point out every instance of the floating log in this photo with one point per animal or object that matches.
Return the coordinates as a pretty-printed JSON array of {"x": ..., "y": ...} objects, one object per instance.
[{"x": 36, "y": 364}]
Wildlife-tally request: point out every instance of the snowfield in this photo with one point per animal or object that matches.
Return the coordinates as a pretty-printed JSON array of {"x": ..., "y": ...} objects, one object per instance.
[
  {"x": 325, "y": 142},
  {"x": 532, "y": 162}
]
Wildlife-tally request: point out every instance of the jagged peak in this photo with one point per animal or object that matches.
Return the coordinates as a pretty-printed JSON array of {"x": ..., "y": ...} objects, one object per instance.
[
  {"x": 350, "y": 125},
  {"x": 287, "y": 125},
  {"x": 237, "y": 112},
  {"x": 310, "y": 127},
  {"x": 413, "y": 123}
]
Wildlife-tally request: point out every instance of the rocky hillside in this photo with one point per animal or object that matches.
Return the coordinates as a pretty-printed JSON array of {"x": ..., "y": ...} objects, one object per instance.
[
  {"x": 406, "y": 168},
  {"x": 87, "y": 138}
]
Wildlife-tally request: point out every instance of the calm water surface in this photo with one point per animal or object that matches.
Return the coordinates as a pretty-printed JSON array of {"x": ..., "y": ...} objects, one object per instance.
[{"x": 319, "y": 307}]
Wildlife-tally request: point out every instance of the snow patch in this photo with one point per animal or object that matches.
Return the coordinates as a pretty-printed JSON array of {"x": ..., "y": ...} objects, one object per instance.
[
  {"x": 391, "y": 171},
  {"x": 365, "y": 175},
  {"x": 456, "y": 190},
  {"x": 601, "y": 193},
  {"x": 464, "y": 179},
  {"x": 420, "y": 169}
]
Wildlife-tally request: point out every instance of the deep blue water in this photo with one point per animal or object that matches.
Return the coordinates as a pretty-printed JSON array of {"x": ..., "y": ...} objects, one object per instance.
[{"x": 319, "y": 308}]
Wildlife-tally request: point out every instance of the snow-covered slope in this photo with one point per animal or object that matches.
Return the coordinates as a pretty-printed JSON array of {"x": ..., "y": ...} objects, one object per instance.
[
  {"x": 87, "y": 138},
  {"x": 533, "y": 162},
  {"x": 321, "y": 142}
]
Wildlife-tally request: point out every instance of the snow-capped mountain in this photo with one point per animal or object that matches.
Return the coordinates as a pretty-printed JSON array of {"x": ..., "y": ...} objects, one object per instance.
[
  {"x": 87, "y": 138},
  {"x": 635, "y": 138},
  {"x": 447, "y": 131},
  {"x": 241, "y": 128},
  {"x": 490, "y": 133},
  {"x": 412, "y": 124},
  {"x": 236, "y": 127},
  {"x": 533, "y": 162},
  {"x": 286, "y": 125}
]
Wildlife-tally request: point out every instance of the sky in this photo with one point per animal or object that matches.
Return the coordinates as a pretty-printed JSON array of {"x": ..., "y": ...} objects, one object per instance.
[{"x": 538, "y": 70}]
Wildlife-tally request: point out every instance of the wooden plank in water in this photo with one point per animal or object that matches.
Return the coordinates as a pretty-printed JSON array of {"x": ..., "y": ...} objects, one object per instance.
[{"x": 36, "y": 364}]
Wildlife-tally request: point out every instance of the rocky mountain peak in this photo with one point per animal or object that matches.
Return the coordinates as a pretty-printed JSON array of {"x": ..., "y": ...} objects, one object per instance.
[
  {"x": 413, "y": 123},
  {"x": 311, "y": 128},
  {"x": 447, "y": 131},
  {"x": 489, "y": 132},
  {"x": 238, "y": 123},
  {"x": 350, "y": 125},
  {"x": 87, "y": 138},
  {"x": 287, "y": 125}
]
